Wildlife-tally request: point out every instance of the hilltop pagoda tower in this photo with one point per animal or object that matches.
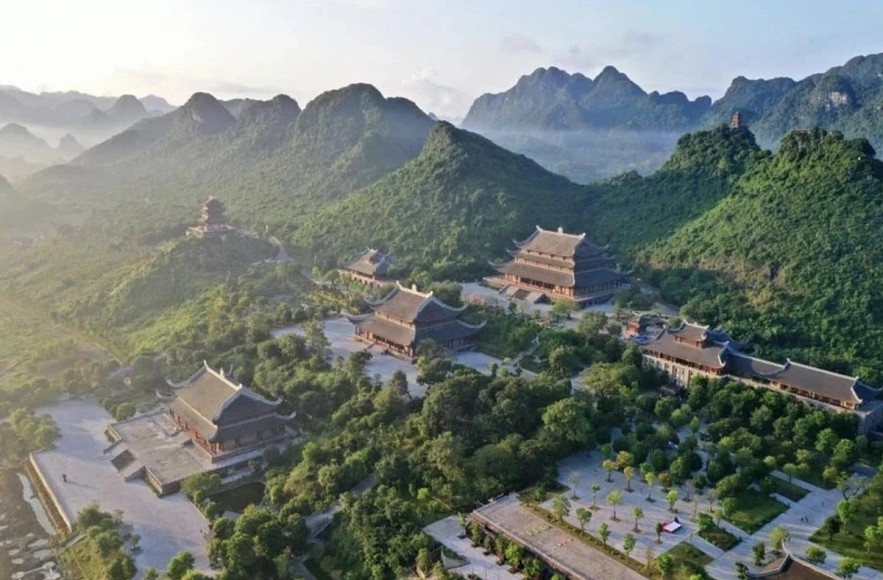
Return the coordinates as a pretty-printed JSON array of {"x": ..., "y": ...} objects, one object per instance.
[{"x": 212, "y": 221}]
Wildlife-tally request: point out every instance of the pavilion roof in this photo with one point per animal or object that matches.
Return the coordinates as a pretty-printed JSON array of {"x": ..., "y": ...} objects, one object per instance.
[
  {"x": 409, "y": 305},
  {"x": 557, "y": 243},
  {"x": 210, "y": 401}
]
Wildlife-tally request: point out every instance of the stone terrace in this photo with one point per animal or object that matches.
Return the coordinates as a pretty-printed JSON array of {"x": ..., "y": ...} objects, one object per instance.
[
  {"x": 577, "y": 559},
  {"x": 166, "y": 525}
]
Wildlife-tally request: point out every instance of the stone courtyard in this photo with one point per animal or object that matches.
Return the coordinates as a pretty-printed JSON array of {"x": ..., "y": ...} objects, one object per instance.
[{"x": 166, "y": 525}]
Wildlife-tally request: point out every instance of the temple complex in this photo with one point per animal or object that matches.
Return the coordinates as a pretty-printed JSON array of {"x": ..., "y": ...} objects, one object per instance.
[
  {"x": 209, "y": 423},
  {"x": 553, "y": 265},
  {"x": 403, "y": 318},
  {"x": 212, "y": 221},
  {"x": 691, "y": 350},
  {"x": 371, "y": 267}
]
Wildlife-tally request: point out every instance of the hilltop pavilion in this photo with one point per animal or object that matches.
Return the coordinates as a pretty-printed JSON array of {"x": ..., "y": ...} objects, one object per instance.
[{"x": 212, "y": 221}]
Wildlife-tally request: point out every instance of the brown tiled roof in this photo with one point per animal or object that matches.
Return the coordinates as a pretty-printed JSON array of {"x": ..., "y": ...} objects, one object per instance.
[
  {"x": 556, "y": 243},
  {"x": 824, "y": 383},
  {"x": 413, "y": 306},
  {"x": 371, "y": 263},
  {"x": 709, "y": 356},
  {"x": 538, "y": 273},
  {"x": 690, "y": 332},
  {"x": 596, "y": 277},
  {"x": 386, "y": 329},
  {"x": 209, "y": 400},
  {"x": 751, "y": 367}
]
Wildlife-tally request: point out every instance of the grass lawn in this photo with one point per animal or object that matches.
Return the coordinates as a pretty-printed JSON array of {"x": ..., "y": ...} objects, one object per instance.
[
  {"x": 688, "y": 559},
  {"x": 82, "y": 561},
  {"x": 790, "y": 490},
  {"x": 755, "y": 510},
  {"x": 852, "y": 543},
  {"x": 720, "y": 538}
]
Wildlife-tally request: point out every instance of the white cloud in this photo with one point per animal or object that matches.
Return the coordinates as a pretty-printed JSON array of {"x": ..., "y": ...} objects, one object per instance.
[
  {"x": 519, "y": 43},
  {"x": 432, "y": 96}
]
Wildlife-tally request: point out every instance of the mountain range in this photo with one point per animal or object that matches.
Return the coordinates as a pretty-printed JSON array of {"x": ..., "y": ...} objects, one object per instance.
[{"x": 589, "y": 129}]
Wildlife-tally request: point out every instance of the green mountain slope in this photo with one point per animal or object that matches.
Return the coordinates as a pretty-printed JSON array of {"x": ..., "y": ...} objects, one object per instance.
[
  {"x": 450, "y": 210},
  {"x": 274, "y": 164},
  {"x": 630, "y": 211},
  {"x": 791, "y": 258},
  {"x": 845, "y": 98}
]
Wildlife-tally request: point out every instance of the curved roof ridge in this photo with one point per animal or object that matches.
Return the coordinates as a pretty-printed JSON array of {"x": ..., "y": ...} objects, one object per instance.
[
  {"x": 441, "y": 303},
  {"x": 413, "y": 290},
  {"x": 385, "y": 299},
  {"x": 827, "y": 372},
  {"x": 560, "y": 231},
  {"x": 478, "y": 326},
  {"x": 190, "y": 379}
]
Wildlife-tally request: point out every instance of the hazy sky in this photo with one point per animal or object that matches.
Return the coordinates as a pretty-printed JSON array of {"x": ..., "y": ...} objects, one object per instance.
[{"x": 440, "y": 53}]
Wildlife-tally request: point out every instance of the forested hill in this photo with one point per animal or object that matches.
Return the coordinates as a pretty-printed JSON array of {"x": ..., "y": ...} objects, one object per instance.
[
  {"x": 630, "y": 211},
  {"x": 847, "y": 98},
  {"x": 450, "y": 210},
  {"x": 552, "y": 99},
  {"x": 593, "y": 129},
  {"x": 791, "y": 259},
  {"x": 273, "y": 164}
]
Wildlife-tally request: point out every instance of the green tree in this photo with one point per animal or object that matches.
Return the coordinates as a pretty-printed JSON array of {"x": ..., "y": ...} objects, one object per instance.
[
  {"x": 650, "y": 478},
  {"x": 759, "y": 550},
  {"x": 848, "y": 567},
  {"x": 666, "y": 565},
  {"x": 614, "y": 498},
  {"x": 584, "y": 516},
  {"x": 672, "y": 498},
  {"x": 179, "y": 565},
  {"x": 815, "y": 555},
  {"x": 846, "y": 513},
  {"x": 604, "y": 533},
  {"x": 778, "y": 537},
  {"x": 629, "y": 473},
  {"x": 596, "y": 487},
  {"x": 560, "y": 507},
  {"x": 514, "y": 555},
  {"x": 659, "y": 527},
  {"x": 639, "y": 514},
  {"x": 609, "y": 466},
  {"x": 628, "y": 544}
]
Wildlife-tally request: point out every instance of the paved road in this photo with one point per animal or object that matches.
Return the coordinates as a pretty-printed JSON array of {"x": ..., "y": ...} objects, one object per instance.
[{"x": 447, "y": 532}]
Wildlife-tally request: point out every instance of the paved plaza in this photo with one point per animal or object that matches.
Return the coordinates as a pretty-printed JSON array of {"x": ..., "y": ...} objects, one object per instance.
[
  {"x": 166, "y": 525},
  {"x": 448, "y": 531},
  {"x": 801, "y": 519}
]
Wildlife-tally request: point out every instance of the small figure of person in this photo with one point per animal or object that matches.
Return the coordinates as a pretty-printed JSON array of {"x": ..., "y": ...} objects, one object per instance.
[{"x": 64, "y": 477}]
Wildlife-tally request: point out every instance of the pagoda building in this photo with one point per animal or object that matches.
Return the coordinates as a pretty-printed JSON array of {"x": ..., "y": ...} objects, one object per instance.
[
  {"x": 371, "y": 267},
  {"x": 225, "y": 418},
  {"x": 212, "y": 221},
  {"x": 403, "y": 318},
  {"x": 690, "y": 350},
  {"x": 556, "y": 265}
]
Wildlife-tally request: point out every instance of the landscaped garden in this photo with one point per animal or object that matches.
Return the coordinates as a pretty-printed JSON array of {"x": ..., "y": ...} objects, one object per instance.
[
  {"x": 754, "y": 510},
  {"x": 688, "y": 557},
  {"x": 787, "y": 489}
]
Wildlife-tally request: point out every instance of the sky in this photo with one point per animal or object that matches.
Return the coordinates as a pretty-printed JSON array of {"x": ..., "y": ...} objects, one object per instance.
[{"x": 442, "y": 54}]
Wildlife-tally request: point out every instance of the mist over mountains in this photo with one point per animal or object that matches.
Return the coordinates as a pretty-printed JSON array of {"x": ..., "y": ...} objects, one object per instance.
[{"x": 589, "y": 129}]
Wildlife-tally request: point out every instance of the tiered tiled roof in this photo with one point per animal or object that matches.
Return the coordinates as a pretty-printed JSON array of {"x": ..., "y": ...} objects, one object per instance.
[
  {"x": 217, "y": 408},
  {"x": 371, "y": 263},
  {"x": 406, "y": 316},
  {"x": 561, "y": 259}
]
